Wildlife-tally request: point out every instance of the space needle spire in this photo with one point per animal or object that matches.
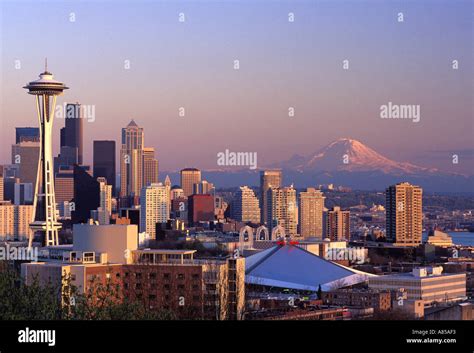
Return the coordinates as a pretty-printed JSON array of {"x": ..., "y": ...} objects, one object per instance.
[{"x": 46, "y": 89}]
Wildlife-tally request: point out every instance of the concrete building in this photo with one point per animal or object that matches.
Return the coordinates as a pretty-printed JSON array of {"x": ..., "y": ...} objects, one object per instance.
[
  {"x": 103, "y": 213},
  {"x": 154, "y": 208},
  {"x": 404, "y": 214},
  {"x": 115, "y": 240},
  {"x": 282, "y": 209},
  {"x": 268, "y": 179},
  {"x": 338, "y": 225},
  {"x": 189, "y": 177},
  {"x": 427, "y": 284},
  {"x": 174, "y": 280},
  {"x": 24, "y": 193},
  {"x": 245, "y": 206},
  {"x": 379, "y": 300},
  {"x": 310, "y": 211}
]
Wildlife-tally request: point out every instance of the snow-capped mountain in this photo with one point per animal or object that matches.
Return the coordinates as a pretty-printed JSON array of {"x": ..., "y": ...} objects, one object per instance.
[{"x": 350, "y": 155}]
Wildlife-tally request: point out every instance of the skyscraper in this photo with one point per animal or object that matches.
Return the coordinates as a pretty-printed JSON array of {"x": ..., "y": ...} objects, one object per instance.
[
  {"x": 189, "y": 177},
  {"x": 25, "y": 154},
  {"x": 338, "y": 226},
  {"x": 245, "y": 206},
  {"x": 104, "y": 211},
  {"x": 203, "y": 187},
  {"x": 104, "y": 162},
  {"x": 46, "y": 89},
  {"x": 24, "y": 134},
  {"x": 282, "y": 209},
  {"x": 72, "y": 132},
  {"x": 86, "y": 194},
  {"x": 150, "y": 166},
  {"x": 154, "y": 208},
  {"x": 131, "y": 160},
  {"x": 268, "y": 179},
  {"x": 310, "y": 211},
  {"x": 404, "y": 214}
]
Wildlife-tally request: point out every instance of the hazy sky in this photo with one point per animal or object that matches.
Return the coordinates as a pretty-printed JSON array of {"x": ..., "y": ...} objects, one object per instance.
[{"x": 282, "y": 64}]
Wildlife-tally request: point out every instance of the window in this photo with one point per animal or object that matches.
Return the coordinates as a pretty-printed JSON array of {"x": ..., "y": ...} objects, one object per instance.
[
  {"x": 181, "y": 276},
  {"x": 180, "y": 286},
  {"x": 152, "y": 275},
  {"x": 166, "y": 287},
  {"x": 138, "y": 286},
  {"x": 195, "y": 287},
  {"x": 166, "y": 276},
  {"x": 195, "y": 276},
  {"x": 152, "y": 297}
]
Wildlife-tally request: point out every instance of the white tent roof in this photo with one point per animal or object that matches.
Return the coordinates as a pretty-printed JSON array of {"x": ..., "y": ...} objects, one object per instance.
[{"x": 292, "y": 267}]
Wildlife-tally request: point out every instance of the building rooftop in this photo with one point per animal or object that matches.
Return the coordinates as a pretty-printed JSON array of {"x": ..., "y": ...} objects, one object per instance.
[{"x": 292, "y": 267}]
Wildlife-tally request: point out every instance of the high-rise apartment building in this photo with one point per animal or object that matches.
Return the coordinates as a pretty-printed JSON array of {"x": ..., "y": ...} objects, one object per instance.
[
  {"x": 245, "y": 206},
  {"x": 282, "y": 209},
  {"x": 154, "y": 208},
  {"x": 150, "y": 166},
  {"x": 189, "y": 177},
  {"x": 131, "y": 160},
  {"x": 104, "y": 211},
  {"x": 268, "y": 179},
  {"x": 310, "y": 211},
  {"x": 104, "y": 162},
  {"x": 338, "y": 225},
  {"x": 15, "y": 221},
  {"x": 404, "y": 216}
]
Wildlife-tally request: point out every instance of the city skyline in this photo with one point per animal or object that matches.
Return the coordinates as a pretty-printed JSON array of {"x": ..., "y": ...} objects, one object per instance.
[{"x": 311, "y": 81}]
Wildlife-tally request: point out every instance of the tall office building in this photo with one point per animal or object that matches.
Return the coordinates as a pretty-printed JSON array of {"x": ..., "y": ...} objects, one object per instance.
[
  {"x": 25, "y": 154},
  {"x": 338, "y": 225},
  {"x": 86, "y": 194},
  {"x": 245, "y": 206},
  {"x": 310, "y": 211},
  {"x": 150, "y": 166},
  {"x": 104, "y": 211},
  {"x": 203, "y": 187},
  {"x": 64, "y": 184},
  {"x": 189, "y": 177},
  {"x": 282, "y": 209},
  {"x": 154, "y": 208},
  {"x": 23, "y": 194},
  {"x": 104, "y": 162},
  {"x": 131, "y": 160},
  {"x": 200, "y": 208},
  {"x": 27, "y": 134},
  {"x": 404, "y": 214},
  {"x": 2, "y": 183},
  {"x": 72, "y": 132},
  {"x": 268, "y": 179}
]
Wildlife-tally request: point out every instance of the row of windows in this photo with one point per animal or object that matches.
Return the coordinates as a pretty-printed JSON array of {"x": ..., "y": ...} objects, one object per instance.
[{"x": 179, "y": 276}]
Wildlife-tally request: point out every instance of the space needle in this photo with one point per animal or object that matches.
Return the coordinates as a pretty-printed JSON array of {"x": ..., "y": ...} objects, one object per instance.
[{"x": 46, "y": 89}]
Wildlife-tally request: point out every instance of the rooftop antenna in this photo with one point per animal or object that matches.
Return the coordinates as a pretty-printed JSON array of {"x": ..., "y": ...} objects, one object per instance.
[{"x": 45, "y": 64}]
